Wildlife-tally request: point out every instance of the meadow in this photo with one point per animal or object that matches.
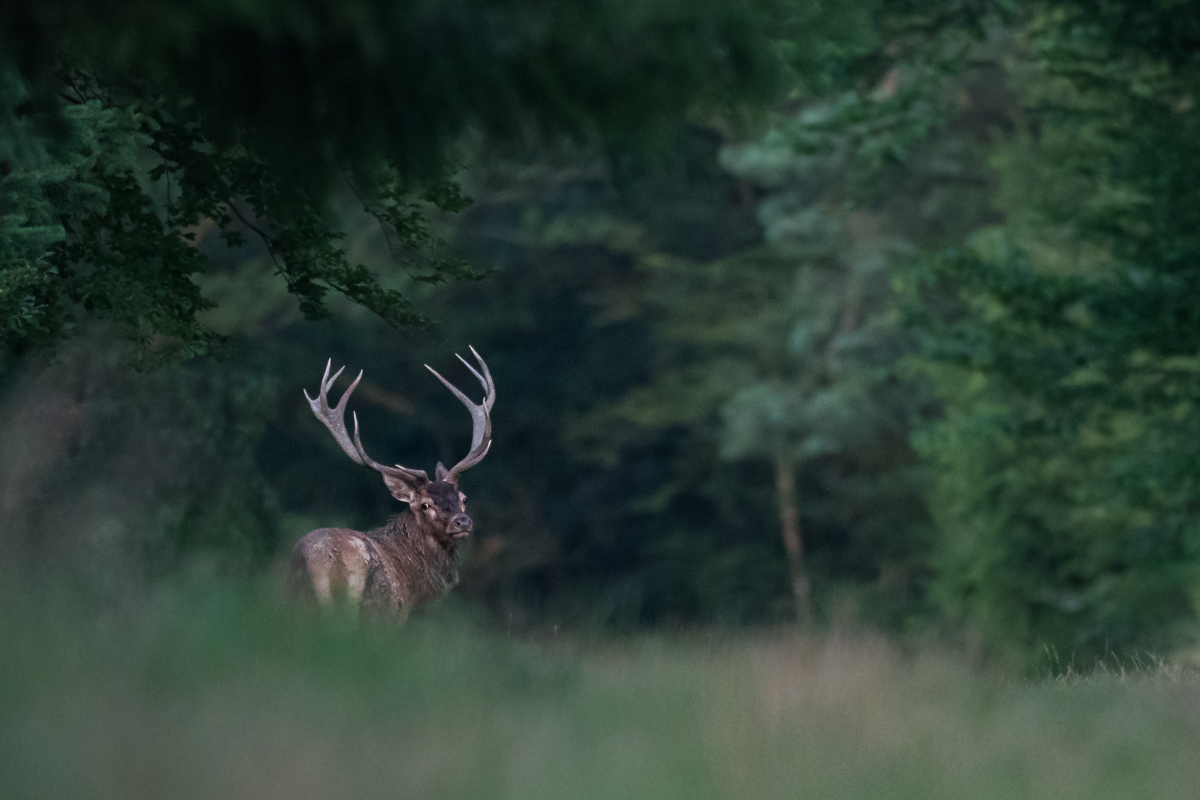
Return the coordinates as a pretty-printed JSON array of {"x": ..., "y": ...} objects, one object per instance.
[
  {"x": 213, "y": 690},
  {"x": 793, "y": 307}
]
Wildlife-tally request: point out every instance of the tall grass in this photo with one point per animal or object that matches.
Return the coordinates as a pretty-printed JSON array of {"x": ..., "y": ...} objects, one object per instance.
[{"x": 216, "y": 691}]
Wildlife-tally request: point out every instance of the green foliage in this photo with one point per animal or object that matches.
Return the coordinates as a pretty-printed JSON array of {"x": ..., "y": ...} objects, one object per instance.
[
  {"x": 245, "y": 116},
  {"x": 622, "y": 529},
  {"x": 129, "y": 188},
  {"x": 753, "y": 354},
  {"x": 659, "y": 354},
  {"x": 949, "y": 280},
  {"x": 1063, "y": 344},
  {"x": 330, "y": 82}
]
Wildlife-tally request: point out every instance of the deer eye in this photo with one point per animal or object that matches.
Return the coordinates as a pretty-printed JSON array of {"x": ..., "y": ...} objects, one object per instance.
[{"x": 424, "y": 506}]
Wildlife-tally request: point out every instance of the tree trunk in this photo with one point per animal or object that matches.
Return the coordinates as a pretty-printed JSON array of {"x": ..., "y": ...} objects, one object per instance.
[{"x": 789, "y": 523}]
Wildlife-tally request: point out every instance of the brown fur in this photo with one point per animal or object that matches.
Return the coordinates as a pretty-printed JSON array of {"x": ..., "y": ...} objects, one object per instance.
[
  {"x": 414, "y": 558},
  {"x": 411, "y": 560}
]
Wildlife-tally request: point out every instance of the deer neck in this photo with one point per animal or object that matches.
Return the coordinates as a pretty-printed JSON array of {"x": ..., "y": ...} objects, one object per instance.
[{"x": 428, "y": 566}]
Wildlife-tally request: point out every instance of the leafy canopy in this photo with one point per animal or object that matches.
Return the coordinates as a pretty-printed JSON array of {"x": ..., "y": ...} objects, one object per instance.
[{"x": 132, "y": 130}]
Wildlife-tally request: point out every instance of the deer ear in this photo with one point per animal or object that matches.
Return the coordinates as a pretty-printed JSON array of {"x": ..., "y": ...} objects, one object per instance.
[
  {"x": 441, "y": 473},
  {"x": 404, "y": 490}
]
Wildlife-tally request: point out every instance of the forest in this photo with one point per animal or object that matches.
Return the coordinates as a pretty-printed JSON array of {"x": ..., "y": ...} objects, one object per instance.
[{"x": 848, "y": 395}]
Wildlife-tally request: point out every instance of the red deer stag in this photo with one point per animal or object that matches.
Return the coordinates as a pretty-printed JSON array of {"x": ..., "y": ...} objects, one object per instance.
[{"x": 414, "y": 557}]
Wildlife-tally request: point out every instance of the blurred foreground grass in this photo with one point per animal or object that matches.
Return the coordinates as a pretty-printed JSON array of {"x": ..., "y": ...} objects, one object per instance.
[{"x": 217, "y": 692}]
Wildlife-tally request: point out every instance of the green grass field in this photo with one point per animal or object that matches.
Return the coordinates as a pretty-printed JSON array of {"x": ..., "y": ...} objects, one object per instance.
[{"x": 212, "y": 692}]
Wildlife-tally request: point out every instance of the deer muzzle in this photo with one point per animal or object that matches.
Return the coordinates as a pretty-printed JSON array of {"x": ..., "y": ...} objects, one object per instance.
[{"x": 460, "y": 525}]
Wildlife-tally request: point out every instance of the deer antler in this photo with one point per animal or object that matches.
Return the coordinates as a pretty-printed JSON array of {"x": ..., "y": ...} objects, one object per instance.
[
  {"x": 335, "y": 419},
  {"x": 481, "y": 420}
]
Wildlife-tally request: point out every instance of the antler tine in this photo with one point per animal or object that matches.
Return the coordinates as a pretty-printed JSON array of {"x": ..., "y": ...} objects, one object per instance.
[
  {"x": 474, "y": 371},
  {"x": 481, "y": 422},
  {"x": 481, "y": 425},
  {"x": 326, "y": 382},
  {"x": 334, "y": 418},
  {"x": 485, "y": 379},
  {"x": 486, "y": 373},
  {"x": 462, "y": 397}
]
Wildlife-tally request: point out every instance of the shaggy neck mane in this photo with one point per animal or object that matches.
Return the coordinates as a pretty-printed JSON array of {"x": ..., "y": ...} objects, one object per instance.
[{"x": 429, "y": 566}]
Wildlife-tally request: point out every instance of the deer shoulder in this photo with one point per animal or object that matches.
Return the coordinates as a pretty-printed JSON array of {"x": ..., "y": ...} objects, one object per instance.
[{"x": 413, "y": 558}]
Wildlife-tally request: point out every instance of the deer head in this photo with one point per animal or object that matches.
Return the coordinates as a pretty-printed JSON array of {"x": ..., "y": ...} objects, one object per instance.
[{"x": 437, "y": 504}]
